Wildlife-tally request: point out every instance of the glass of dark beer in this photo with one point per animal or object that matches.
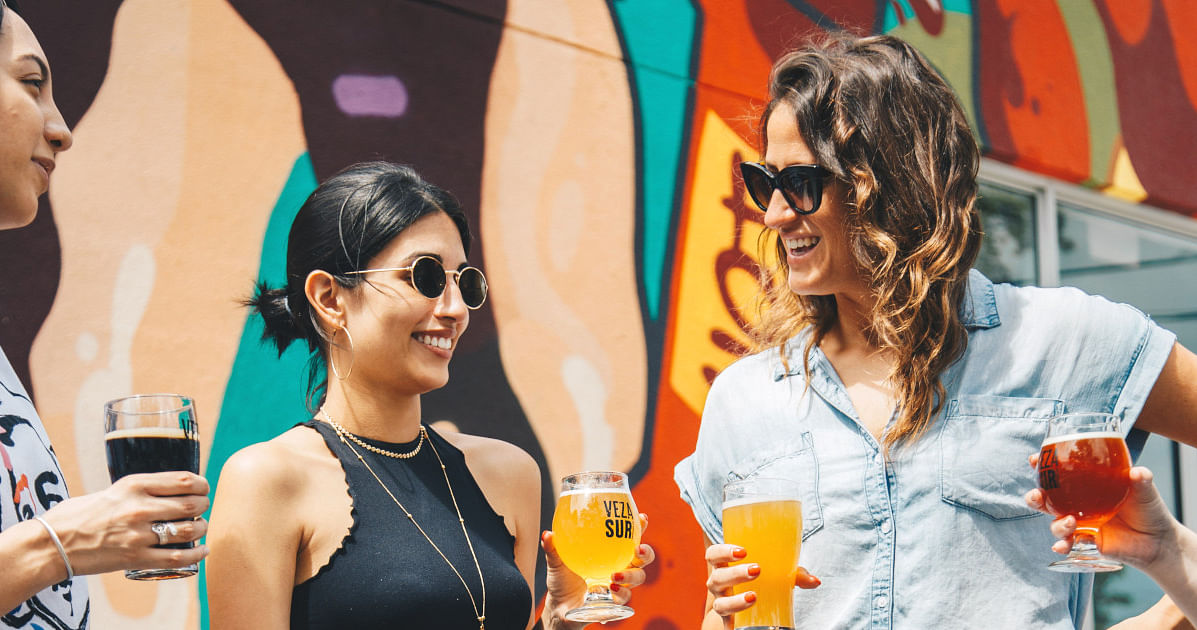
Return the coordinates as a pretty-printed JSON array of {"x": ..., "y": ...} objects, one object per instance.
[
  {"x": 148, "y": 434},
  {"x": 1084, "y": 470}
]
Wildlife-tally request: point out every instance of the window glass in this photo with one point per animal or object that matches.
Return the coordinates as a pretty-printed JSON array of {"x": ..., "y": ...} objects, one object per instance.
[
  {"x": 1155, "y": 271},
  {"x": 1008, "y": 248}
]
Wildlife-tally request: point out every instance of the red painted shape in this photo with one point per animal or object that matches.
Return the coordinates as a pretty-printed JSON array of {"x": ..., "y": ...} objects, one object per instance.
[{"x": 1157, "y": 113}]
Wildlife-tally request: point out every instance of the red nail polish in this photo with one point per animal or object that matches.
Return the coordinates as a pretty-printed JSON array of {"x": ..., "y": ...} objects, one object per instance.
[
  {"x": 617, "y": 577},
  {"x": 750, "y": 597},
  {"x": 739, "y": 552},
  {"x": 614, "y": 588},
  {"x": 754, "y": 570}
]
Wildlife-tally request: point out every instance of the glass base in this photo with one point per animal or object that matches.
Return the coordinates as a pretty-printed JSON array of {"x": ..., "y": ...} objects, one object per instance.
[
  {"x": 1085, "y": 564},
  {"x": 600, "y": 612},
  {"x": 1085, "y": 557},
  {"x": 162, "y": 574}
]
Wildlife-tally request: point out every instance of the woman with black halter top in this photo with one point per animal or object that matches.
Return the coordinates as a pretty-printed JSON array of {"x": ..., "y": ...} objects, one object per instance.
[{"x": 363, "y": 517}]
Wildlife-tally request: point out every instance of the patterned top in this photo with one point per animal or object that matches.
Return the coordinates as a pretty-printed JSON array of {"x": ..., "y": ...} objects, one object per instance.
[
  {"x": 937, "y": 535},
  {"x": 30, "y": 484}
]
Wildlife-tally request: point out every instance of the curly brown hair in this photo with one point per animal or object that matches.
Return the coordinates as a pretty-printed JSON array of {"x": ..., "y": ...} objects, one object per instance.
[{"x": 877, "y": 115}]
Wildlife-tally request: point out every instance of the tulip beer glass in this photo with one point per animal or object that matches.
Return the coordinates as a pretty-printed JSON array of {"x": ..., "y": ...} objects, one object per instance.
[
  {"x": 1084, "y": 470},
  {"x": 764, "y": 516},
  {"x": 596, "y": 529},
  {"x": 148, "y": 434}
]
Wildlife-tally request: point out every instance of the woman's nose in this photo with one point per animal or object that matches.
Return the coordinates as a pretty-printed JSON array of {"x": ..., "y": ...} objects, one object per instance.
[
  {"x": 779, "y": 212},
  {"x": 57, "y": 133}
]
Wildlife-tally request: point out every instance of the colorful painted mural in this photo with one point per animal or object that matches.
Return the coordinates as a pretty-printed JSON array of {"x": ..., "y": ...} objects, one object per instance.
[{"x": 592, "y": 142}]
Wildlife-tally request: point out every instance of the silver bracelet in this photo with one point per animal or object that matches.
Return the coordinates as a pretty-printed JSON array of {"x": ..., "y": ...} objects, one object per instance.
[{"x": 58, "y": 543}]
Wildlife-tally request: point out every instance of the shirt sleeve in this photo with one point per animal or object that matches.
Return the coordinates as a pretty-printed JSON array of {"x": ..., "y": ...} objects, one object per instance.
[
  {"x": 1108, "y": 355},
  {"x": 701, "y": 475}
]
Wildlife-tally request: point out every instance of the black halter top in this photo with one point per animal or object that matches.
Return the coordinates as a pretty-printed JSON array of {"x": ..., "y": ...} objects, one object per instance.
[{"x": 387, "y": 575}]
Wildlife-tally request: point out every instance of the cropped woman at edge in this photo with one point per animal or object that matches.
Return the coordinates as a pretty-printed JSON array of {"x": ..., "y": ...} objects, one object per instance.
[
  {"x": 48, "y": 542},
  {"x": 901, "y": 390},
  {"x": 364, "y": 517}
]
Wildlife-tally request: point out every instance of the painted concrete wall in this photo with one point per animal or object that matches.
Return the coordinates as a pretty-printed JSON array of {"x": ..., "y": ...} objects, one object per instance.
[{"x": 592, "y": 143}]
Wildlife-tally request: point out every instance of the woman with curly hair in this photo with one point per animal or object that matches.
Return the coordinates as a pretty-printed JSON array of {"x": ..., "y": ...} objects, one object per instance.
[{"x": 902, "y": 390}]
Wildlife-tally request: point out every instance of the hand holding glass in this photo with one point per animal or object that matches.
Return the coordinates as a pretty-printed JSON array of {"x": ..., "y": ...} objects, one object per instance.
[
  {"x": 764, "y": 516},
  {"x": 596, "y": 528},
  {"x": 1084, "y": 470},
  {"x": 149, "y": 434}
]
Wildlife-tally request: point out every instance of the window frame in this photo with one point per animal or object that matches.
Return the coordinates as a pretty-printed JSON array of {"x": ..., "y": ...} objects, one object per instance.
[{"x": 1049, "y": 193}]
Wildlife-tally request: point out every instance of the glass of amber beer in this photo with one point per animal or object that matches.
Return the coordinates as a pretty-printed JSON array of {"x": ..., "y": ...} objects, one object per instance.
[
  {"x": 1084, "y": 470},
  {"x": 596, "y": 529},
  {"x": 764, "y": 516},
  {"x": 147, "y": 434}
]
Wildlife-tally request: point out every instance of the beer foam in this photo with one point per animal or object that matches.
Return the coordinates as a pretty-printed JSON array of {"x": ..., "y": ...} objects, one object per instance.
[
  {"x": 595, "y": 491},
  {"x": 175, "y": 433},
  {"x": 1073, "y": 437},
  {"x": 751, "y": 500}
]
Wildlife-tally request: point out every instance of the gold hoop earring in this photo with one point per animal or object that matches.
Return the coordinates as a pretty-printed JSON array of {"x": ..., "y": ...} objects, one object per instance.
[{"x": 332, "y": 343}]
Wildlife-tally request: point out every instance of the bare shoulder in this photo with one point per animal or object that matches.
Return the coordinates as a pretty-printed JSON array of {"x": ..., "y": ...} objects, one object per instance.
[
  {"x": 495, "y": 459},
  {"x": 276, "y": 468}
]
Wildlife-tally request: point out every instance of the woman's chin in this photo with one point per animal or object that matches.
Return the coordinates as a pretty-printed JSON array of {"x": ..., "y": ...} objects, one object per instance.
[{"x": 18, "y": 215}]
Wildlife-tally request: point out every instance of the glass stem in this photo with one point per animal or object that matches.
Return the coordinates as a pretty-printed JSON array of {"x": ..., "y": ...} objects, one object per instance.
[
  {"x": 1084, "y": 542},
  {"x": 598, "y": 593}
]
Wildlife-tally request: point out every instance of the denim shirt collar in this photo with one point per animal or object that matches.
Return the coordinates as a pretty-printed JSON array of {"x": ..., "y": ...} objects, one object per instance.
[{"x": 978, "y": 311}]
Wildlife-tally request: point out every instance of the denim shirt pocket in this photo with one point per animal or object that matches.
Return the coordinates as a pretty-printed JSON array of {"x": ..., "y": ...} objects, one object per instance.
[
  {"x": 799, "y": 465},
  {"x": 983, "y": 448}
]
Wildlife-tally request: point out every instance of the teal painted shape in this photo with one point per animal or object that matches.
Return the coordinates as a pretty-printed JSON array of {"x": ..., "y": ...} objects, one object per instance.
[
  {"x": 266, "y": 393},
  {"x": 659, "y": 36},
  {"x": 890, "y": 21}
]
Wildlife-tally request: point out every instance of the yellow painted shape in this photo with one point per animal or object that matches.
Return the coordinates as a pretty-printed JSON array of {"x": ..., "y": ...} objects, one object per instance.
[
  {"x": 708, "y": 231},
  {"x": 1124, "y": 183}
]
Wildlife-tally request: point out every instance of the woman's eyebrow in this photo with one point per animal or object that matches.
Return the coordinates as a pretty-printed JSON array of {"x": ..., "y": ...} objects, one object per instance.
[{"x": 41, "y": 63}]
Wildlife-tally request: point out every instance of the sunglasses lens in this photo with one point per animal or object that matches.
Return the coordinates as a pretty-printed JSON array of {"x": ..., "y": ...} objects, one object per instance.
[
  {"x": 473, "y": 287},
  {"x": 428, "y": 276},
  {"x": 758, "y": 183},
  {"x": 798, "y": 186}
]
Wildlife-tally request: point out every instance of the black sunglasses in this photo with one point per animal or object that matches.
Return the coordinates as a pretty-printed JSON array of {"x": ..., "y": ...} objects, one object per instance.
[
  {"x": 429, "y": 277},
  {"x": 801, "y": 185}
]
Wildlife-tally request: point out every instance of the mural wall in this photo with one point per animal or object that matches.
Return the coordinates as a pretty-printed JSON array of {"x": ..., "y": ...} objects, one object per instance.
[{"x": 592, "y": 142}]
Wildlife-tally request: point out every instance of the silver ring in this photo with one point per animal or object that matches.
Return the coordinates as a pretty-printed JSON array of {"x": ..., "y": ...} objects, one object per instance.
[{"x": 162, "y": 528}]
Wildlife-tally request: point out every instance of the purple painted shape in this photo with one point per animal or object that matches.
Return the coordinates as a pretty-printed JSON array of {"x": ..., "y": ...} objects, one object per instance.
[{"x": 363, "y": 95}]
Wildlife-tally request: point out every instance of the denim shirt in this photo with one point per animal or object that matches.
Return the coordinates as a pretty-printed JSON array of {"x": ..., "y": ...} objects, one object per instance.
[{"x": 938, "y": 535}]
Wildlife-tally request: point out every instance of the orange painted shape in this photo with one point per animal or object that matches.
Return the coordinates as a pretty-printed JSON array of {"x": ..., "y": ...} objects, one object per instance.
[
  {"x": 1132, "y": 17},
  {"x": 1048, "y": 124},
  {"x": 1181, "y": 17},
  {"x": 731, "y": 57},
  {"x": 675, "y": 590}
]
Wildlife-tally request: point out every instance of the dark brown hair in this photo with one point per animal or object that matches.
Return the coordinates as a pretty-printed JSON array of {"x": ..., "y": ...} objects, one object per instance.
[{"x": 875, "y": 113}]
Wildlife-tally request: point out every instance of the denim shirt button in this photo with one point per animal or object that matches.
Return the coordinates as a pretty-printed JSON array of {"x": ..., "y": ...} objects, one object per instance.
[
  {"x": 885, "y": 526},
  {"x": 881, "y": 602}
]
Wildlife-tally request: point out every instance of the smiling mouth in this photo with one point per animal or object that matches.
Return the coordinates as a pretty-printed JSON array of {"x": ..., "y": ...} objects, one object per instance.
[
  {"x": 800, "y": 246},
  {"x": 444, "y": 343}
]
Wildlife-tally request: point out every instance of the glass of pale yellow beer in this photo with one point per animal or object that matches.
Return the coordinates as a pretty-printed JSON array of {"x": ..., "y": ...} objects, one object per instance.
[
  {"x": 764, "y": 516},
  {"x": 596, "y": 529}
]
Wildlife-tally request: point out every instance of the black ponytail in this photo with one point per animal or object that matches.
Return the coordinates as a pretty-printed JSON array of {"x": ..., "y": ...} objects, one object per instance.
[{"x": 280, "y": 324}]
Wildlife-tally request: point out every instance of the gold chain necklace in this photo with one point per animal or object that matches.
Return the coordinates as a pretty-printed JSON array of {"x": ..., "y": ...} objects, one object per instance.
[
  {"x": 370, "y": 447},
  {"x": 342, "y": 433}
]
